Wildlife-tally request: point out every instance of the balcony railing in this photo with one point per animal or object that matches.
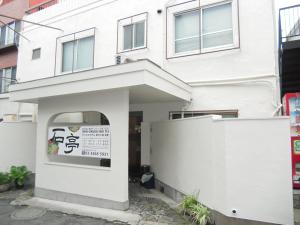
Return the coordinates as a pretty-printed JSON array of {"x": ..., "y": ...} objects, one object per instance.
[
  {"x": 42, "y": 6},
  {"x": 9, "y": 35},
  {"x": 289, "y": 23},
  {"x": 5, "y": 83}
]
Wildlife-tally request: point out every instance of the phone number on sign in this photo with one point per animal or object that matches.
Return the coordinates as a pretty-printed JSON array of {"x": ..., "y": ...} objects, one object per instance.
[{"x": 100, "y": 154}]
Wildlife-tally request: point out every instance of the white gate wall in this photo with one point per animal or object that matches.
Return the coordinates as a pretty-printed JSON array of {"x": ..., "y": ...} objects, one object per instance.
[
  {"x": 17, "y": 145},
  {"x": 241, "y": 164}
]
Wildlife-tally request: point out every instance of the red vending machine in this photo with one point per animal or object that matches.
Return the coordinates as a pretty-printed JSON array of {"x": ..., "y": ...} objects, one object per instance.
[{"x": 291, "y": 107}]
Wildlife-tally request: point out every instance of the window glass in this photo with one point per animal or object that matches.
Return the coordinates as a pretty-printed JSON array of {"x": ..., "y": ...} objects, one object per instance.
[
  {"x": 10, "y": 34},
  {"x": 84, "y": 53},
  {"x": 1, "y": 80},
  {"x": 187, "y": 31},
  {"x": 188, "y": 114},
  {"x": 6, "y": 79},
  {"x": 217, "y": 26},
  {"x": 2, "y": 35},
  {"x": 139, "y": 36},
  {"x": 67, "y": 61},
  {"x": 36, "y": 53},
  {"x": 128, "y": 37}
]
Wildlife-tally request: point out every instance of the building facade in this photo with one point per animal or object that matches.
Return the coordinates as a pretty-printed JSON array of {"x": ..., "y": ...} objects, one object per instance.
[
  {"x": 117, "y": 67},
  {"x": 221, "y": 74},
  {"x": 9, "y": 27}
]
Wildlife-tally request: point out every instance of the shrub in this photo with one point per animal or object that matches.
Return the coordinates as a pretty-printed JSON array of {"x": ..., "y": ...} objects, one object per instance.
[
  {"x": 19, "y": 174},
  {"x": 198, "y": 212},
  {"x": 201, "y": 214},
  {"x": 4, "y": 178},
  {"x": 187, "y": 203}
]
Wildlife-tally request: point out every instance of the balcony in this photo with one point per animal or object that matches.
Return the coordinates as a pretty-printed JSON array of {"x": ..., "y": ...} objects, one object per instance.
[
  {"x": 9, "y": 38},
  {"x": 289, "y": 49},
  {"x": 42, "y": 6}
]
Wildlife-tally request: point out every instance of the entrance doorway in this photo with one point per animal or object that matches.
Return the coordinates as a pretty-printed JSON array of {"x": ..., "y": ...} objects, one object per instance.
[{"x": 135, "y": 120}]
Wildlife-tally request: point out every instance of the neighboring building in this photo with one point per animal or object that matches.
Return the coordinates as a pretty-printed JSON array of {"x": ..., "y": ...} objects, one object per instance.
[
  {"x": 118, "y": 68},
  {"x": 9, "y": 42}
]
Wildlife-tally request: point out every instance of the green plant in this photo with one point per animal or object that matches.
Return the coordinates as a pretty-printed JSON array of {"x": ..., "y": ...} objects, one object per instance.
[
  {"x": 19, "y": 174},
  {"x": 4, "y": 178},
  {"x": 187, "y": 203},
  {"x": 198, "y": 212},
  {"x": 201, "y": 214}
]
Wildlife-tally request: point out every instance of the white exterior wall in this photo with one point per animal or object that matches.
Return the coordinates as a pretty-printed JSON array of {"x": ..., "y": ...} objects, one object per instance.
[
  {"x": 91, "y": 181},
  {"x": 235, "y": 164},
  {"x": 18, "y": 144},
  {"x": 8, "y": 107},
  {"x": 254, "y": 58},
  {"x": 152, "y": 112}
]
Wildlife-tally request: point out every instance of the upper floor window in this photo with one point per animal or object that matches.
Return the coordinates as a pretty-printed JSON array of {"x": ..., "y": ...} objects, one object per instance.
[
  {"x": 134, "y": 36},
  {"x": 7, "y": 77},
  {"x": 195, "y": 30},
  {"x": 132, "y": 33},
  {"x": 187, "y": 33},
  {"x": 76, "y": 52},
  {"x": 8, "y": 36}
]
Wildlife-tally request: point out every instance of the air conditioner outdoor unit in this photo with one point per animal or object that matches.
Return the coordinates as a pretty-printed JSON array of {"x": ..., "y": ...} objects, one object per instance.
[{"x": 120, "y": 59}]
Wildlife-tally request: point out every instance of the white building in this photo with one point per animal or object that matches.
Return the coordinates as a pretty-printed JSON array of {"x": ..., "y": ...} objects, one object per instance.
[{"x": 160, "y": 60}]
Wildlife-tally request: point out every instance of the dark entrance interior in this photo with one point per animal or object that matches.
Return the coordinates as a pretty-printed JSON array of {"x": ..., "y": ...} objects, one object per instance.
[{"x": 135, "y": 120}]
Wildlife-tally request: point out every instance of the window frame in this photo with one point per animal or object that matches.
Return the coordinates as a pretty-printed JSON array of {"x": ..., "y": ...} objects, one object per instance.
[
  {"x": 191, "y": 6},
  {"x": 74, "y": 38},
  {"x": 8, "y": 81},
  {"x": 132, "y": 20},
  {"x": 233, "y": 112},
  {"x": 199, "y": 35},
  {"x": 8, "y": 31},
  {"x": 39, "y": 55},
  {"x": 219, "y": 47}
]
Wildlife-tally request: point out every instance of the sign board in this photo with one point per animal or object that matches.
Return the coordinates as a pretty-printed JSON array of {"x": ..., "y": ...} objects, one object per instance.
[{"x": 83, "y": 141}]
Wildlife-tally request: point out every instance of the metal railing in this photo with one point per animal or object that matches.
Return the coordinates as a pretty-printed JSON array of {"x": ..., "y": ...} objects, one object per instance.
[
  {"x": 42, "y": 6},
  {"x": 5, "y": 82},
  {"x": 289, "y": 23},
  {"x": 288, "y": 32}
]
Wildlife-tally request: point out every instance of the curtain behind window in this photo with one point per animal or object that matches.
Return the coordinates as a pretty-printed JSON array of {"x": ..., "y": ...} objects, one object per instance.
[
  {"x": 187, "y": 31},
  {"x": 139, "y": 36},
  {"x": 84, "y": 53},
  {"x": 217, "y": 26},
  {"x": 67, "y": 60}
]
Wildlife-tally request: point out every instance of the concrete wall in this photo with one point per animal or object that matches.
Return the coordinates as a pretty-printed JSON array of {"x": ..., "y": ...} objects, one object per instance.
[
  {"x": 7, "y": 107},
  {"x": 152, "y": 112},
  {"x": 247, "y": 65},
  {"x": 17, "y": 145},
  {"x": 78, "y": 183},
  {"x": 235, "y": 164}
]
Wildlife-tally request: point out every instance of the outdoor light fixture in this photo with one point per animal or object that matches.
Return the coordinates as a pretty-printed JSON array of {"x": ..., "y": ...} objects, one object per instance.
[{"x": 159, "y": 11}]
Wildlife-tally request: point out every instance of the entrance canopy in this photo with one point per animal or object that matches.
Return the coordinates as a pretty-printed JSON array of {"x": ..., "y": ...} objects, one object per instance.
[{"x": 146, "y": 82}]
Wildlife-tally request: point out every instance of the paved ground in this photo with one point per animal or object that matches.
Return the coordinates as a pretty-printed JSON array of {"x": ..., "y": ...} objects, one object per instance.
[{"x": 153, "y": 211}]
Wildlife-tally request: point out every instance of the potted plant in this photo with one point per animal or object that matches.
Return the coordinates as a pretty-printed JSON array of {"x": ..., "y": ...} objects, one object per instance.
[
  {"x": 5, "y": 181},
  {"x": 19, "y": 174}
]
